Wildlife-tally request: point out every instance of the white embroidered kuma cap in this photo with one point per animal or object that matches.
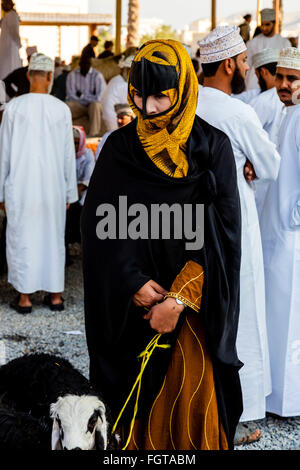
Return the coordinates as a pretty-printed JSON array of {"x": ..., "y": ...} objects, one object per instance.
[
  {"x": 268, "y": 14},
  {"x": 220, "y": 44},
  {"x": 266, "y": 56},
  {"x": 41, "y": 62},
  {"x": 289, "y": 58}
]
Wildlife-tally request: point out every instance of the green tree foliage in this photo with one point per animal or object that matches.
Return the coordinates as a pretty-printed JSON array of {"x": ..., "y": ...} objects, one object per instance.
[{"x": 104, "y": 35}]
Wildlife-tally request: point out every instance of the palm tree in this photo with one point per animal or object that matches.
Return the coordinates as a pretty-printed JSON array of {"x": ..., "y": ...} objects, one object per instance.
[
  {"x": 280, "y": 13},
  {"x": 133, "y": 23}
]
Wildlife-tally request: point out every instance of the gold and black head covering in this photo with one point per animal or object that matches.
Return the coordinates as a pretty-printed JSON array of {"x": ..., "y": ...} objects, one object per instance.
[{"x": 164, "y": 66}]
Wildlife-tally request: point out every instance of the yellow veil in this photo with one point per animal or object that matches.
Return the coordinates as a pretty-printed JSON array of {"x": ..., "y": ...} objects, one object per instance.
[{"x": 165, "y": 135}]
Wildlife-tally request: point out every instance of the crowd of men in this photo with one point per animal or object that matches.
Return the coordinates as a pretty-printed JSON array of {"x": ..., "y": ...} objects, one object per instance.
[
  {"x": 249, "y": 91},
  {"x": 83, "y": 88},
  {"x": 256, "y": 89}
]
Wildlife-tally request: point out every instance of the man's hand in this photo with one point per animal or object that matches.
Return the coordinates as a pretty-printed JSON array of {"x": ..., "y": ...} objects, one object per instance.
[
  {"x": 164, "y": 316},
  {"x": 68, "y": 206},
  {"x": 2, "y": 206},
  {"x": 149, "y": 294},
  {"x": 81, "y": 187},
  {"x": 249, "y": 172}
]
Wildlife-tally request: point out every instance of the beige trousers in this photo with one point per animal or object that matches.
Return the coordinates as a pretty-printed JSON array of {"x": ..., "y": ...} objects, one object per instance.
[{"x": 90, "y": 115}]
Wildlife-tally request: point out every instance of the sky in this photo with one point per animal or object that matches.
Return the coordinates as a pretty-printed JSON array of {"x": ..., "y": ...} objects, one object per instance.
[{"x": 178, "y": 13}]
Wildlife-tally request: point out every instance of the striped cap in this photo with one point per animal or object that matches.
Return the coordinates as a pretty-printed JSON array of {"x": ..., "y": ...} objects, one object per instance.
[{"x": 266, "y": 56}]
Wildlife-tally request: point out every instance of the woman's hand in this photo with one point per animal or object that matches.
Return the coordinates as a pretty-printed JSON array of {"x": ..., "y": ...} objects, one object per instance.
[
  {"x": 149, "y": 294},
  {"x": 164, "y": 316}
]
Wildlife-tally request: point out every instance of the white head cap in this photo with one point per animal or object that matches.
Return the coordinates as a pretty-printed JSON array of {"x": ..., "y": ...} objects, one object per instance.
[
  {"x": 220, "y": 44},
  {"x": 126, "y": 61},
  {"x": 268, "y": 14},
  {"x": 41, "y": 62},
  {"x": 289, "y": 58},
  {"x": 124, "y": 108},
  {"x": 266, "y": 56},
  {"x": 31, "y": 50}
]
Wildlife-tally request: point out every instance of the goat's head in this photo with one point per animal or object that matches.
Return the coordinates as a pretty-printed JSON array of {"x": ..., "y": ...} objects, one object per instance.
[{"x": 79, "y": 423}]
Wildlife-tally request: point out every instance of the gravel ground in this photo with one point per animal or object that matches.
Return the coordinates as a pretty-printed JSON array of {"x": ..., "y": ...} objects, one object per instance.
[{"x": 63, "y": 333}]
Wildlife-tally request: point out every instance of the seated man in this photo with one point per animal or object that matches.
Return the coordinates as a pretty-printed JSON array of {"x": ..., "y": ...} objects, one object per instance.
[
  {"x": 85, "y": 163},
  {"x": 59, "y": 89},
  {"x": 85, "y": 88},
  {"x": 116, "y": 93}
]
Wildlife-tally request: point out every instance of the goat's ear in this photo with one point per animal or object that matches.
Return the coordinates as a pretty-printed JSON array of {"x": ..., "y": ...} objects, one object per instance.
[
  {"x": 99, "y": 441},
  {"x": 101, "y": 429},
  {"x": 55, "y": 437},
  {"x": 114, "y": 442}
]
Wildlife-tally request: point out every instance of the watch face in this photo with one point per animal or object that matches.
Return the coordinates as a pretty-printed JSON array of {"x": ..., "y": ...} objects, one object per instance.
[{"x": 179, "y": 302}]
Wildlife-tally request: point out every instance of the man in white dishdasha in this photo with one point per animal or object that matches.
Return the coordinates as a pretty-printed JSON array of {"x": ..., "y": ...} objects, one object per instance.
[
  {"x": 280, "y": 230},
  {"x": 224, "y": 62},
  {"x": 266, "y": 39},
  {"x": 37, "y": 183}
]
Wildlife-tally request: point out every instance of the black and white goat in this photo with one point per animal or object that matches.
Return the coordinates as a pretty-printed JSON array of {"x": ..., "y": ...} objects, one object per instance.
[{"x": 48, "y": 388}]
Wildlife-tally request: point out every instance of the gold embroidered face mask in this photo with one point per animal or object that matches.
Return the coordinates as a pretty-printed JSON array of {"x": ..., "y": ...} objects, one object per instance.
[{"x": 164, "y": 66}]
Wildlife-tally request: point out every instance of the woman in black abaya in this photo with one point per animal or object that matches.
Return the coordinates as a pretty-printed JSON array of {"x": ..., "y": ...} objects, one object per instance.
[{"x": 190, "y": 394}]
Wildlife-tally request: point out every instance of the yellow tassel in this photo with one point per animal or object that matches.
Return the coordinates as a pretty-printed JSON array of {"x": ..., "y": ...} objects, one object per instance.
[{"x": 145, "y": 355}]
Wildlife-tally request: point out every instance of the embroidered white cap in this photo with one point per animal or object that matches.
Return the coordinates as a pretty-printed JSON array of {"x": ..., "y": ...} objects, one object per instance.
[
  {"x": 266, "y": 56},
  {"x": 268, "y": 14},
  {"x": 220, "y": 44},
  {"x": 289, "y": 58},
  {"x": 41, "y": 62},
  {"x": 124, "y": 108}
]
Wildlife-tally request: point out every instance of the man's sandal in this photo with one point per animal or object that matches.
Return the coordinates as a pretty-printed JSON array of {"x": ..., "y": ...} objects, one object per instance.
[
  {"x": 54, "y": 307},
  {"x": 18, "y": 308}
]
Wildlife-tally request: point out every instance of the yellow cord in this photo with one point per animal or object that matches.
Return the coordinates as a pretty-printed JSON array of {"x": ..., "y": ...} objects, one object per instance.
[{"x": 145, "y": 355}]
